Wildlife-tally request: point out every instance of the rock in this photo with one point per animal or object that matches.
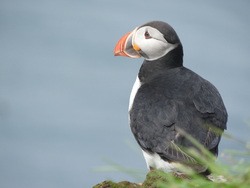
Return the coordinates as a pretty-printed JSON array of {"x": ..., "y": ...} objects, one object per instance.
[
  {"x": 123, "y": 184},
  {"x": 153, "y": 180}
]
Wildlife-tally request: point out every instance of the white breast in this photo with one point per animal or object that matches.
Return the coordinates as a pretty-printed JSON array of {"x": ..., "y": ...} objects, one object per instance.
[
  {"x": 135, "y": 88},
  {"x": 155, "y": 161}
]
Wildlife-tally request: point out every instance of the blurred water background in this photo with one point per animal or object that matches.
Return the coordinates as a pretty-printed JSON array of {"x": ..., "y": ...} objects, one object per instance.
[{"x": 64, "y": 96}]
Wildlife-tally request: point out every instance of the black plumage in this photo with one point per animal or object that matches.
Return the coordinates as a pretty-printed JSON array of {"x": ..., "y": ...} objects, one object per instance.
[
  {"x": 171, "y": 98},
  {"x": 176, "y": 98},
  {"x": 171, "y": 101}
]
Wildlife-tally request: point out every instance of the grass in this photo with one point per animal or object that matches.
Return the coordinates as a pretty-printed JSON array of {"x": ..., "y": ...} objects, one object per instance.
[{"x": 233, "y": 166}]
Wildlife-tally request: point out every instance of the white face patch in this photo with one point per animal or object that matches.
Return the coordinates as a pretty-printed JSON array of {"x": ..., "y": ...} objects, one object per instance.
[{"x": 154, "y": 47}]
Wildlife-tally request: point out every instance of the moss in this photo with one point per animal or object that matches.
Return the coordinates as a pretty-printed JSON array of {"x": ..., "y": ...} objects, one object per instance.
[
  {"x": 153, "y": 179},
  {"x": 123, "y": 184}
]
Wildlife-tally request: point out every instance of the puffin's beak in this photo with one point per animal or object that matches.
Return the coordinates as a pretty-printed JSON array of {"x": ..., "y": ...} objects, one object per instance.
[{"x": 125, "y": 46}]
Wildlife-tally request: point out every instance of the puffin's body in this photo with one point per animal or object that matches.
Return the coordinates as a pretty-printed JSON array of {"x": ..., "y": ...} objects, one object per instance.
[{"x": 168, "y": 100}]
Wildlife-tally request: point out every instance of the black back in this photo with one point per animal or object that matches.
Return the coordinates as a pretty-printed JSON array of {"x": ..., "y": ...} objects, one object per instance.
[{"x": 174, "y": 98}]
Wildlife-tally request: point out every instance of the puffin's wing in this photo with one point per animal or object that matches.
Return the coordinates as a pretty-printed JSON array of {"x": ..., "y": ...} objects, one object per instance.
[
  {"x": 208, "y": 101},
  {"x": 153, "y": 120}
]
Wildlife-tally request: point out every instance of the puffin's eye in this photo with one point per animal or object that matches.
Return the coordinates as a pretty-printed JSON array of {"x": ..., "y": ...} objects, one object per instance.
[{"x": 147, "y": 35}]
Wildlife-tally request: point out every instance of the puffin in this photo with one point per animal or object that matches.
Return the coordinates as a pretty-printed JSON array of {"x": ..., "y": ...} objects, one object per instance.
[{"x": 170, "y": 103}]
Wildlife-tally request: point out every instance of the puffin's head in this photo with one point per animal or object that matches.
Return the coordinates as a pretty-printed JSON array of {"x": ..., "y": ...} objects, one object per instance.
[{"x": 152, "y": 40}]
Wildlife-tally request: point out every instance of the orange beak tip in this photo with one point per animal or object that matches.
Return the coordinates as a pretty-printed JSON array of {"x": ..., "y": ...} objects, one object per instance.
[
  {"x": 117, "y": 53},
  {"x": 125, "y": 48}
]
